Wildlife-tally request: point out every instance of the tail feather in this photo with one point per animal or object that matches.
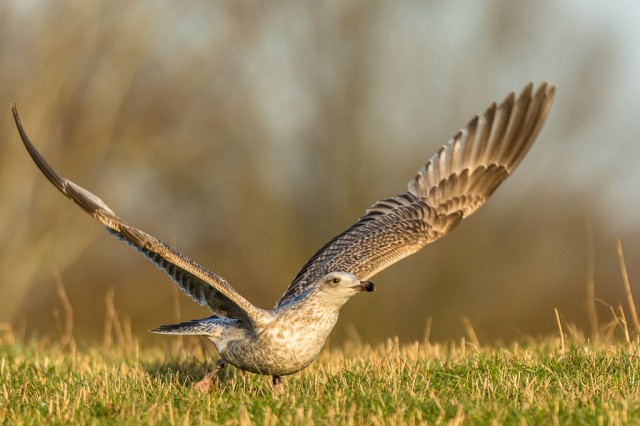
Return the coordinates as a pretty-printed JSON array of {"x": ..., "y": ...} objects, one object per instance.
[{"x": 197, "y": 327}]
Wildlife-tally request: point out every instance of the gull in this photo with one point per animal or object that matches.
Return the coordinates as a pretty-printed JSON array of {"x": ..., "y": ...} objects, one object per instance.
[{"x": 454, "y": 183}]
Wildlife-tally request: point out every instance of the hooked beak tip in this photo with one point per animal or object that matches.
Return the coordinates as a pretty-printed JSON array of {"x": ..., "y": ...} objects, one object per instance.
[{"x": 368, "y": 286}]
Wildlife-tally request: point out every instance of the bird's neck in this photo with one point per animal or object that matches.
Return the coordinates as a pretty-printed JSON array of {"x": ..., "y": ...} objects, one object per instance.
[{"x": 311, "y": 310}]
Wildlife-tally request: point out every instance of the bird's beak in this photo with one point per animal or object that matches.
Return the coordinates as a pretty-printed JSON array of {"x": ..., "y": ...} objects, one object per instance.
[{"x": 366, "y": 286}]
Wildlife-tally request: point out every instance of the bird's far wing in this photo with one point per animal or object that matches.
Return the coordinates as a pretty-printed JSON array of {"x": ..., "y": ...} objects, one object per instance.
[
  {"x": 452, "y": 185},
  {"x": 203, "y": 286}
]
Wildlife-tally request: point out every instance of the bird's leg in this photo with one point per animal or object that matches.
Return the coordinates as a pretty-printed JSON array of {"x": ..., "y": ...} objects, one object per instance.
[
  {"x": 277, "y": 384},
  {"x": 206, "y": 384}
]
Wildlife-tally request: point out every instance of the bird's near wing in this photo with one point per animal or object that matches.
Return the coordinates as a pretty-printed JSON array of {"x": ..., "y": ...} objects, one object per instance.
[
  {"x": 203, "y": 286},
  {"x": 452, "y": 185}
]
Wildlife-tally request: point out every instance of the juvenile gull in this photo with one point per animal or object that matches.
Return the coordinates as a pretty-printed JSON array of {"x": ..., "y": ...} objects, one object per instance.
[{"x": 283, "y": 340}]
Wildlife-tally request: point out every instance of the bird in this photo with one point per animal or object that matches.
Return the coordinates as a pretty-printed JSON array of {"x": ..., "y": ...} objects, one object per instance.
[{"x": 283, "y": 340}]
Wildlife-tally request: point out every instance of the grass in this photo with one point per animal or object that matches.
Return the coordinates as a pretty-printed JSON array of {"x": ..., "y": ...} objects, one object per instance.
[
  {"x": 566, "y": 379},
  {"x": 533, "y": 382}
]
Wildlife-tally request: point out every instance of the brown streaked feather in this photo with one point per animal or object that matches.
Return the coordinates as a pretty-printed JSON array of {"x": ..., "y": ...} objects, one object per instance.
[
  {"x": 202, "y": 285},
  {"x": 452, "y": 185}
]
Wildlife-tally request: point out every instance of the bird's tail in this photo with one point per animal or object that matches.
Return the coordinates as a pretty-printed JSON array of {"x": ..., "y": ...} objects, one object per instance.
[{"x": 201, "y": 327}]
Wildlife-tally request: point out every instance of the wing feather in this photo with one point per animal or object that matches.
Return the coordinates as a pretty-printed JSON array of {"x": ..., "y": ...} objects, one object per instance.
[
  {"x": 202, "y": 285},
  {"x": 452, "y": 185}
]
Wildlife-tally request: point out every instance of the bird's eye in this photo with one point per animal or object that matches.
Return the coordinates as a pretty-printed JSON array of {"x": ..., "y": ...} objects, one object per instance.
[{"x": 335, "y": 280}]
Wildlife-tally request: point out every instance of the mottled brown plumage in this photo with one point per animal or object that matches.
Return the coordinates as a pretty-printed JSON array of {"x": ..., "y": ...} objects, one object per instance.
[{"x": 453, "y": 184}]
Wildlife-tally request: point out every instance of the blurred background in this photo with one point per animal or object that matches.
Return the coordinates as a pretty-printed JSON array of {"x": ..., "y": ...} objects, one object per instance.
[{"x": 248, "y": 135}]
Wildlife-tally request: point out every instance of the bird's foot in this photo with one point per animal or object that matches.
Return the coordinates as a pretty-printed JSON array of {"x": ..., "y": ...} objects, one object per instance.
[
  {"x": 207, "y": 383},
  {"x": 278, "y": 389}
]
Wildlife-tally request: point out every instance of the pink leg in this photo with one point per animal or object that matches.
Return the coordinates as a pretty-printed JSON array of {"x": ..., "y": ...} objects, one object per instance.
[
  {"x": 277, "y": 385},
  {"x": 207, "y": 384}
]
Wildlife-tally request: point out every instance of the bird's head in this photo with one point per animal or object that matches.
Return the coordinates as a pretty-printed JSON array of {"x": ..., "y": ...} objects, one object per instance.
[{"x": 336, "y": 288}]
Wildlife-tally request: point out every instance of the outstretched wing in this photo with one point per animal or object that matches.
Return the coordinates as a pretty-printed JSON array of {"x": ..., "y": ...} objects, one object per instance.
[
  {"x": 202, "y": 285},
  {"x": 452, "y": 185}
]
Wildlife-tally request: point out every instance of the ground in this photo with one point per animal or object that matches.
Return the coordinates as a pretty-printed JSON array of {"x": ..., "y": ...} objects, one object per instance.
[{"x": 537, "y": 381}]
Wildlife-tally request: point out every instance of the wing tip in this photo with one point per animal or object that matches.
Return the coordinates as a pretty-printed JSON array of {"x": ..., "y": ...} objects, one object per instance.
[{"x": 545, "y": 89}]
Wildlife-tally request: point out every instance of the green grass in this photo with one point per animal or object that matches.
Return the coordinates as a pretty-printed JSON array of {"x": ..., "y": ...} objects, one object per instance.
[{"x": 531, "y": 383}]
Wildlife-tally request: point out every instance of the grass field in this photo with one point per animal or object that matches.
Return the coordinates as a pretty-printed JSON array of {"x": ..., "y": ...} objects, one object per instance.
[
  {"x": 561, "y": 379},
  {"x": 547, "y": 381}
]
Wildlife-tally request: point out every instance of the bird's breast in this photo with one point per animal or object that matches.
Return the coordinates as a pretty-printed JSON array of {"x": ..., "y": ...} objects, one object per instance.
[{"x": 287, "y": 345}]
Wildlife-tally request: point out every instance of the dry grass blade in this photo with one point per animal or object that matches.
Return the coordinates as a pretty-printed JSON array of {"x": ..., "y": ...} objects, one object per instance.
[
  {"x": 562, "y": 349},
  {"x": 426, "y": 334},
  {"x": 67, "y": 340},
  {"x": 627, "y": 287},
  {"x": 591, "y": 291},
  {"x": 466, "y": 322},
  {"x": 112, "y": 323},
  {"x": 623, "y": 323}
]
